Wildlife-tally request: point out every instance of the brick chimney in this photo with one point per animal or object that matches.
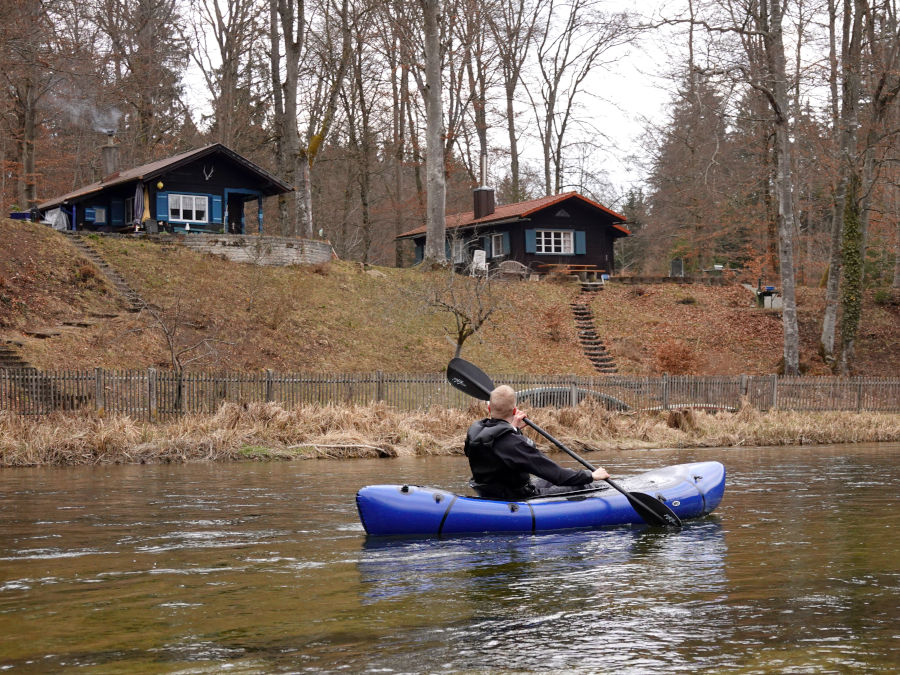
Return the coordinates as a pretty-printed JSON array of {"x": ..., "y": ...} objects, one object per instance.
[
  {"x": 483, "y": 196},
  {"x": 109, "y": 155}
]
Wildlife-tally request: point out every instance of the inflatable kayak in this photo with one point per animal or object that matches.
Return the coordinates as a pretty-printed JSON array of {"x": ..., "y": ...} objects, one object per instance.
[{"x": 690, "y": 490}]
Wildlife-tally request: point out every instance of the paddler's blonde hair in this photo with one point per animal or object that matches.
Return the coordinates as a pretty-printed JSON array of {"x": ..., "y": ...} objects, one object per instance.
[{"x": 503, "y": 402}]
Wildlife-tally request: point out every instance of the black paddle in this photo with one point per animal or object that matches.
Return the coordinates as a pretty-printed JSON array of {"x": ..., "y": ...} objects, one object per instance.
[{"x": 470, "y": 379}]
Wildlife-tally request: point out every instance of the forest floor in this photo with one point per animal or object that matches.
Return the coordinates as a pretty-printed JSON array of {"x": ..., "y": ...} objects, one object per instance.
[{"x": 344, "y": 317}]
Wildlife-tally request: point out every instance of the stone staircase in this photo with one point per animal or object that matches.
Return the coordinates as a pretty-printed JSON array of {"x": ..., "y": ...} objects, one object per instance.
[
  {"x": 10, "y": 356},
  {"x": 36, "y": 388},
  {"x": 133, "y": 301},
  {"x": 591, "y": 343}
]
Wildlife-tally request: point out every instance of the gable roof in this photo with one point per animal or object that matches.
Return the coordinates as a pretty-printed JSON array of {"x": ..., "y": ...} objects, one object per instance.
[
  {"x": 159, "y": 167},
  {"x": 518, "y": 211}
]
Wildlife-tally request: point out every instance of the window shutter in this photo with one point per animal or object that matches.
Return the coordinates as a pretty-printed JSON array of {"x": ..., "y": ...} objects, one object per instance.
[
  {"x": 162, "y": 206},
  {"x": 486, "y": 245},
  {"x": 580, "y": 246},
  {"x": 216, "y": 209},
  {"x": 90, "y": 214},
  {"x": 117, "y": 212},
  {"x": 530, "y": 241},
  {"x": 420, "y": 253},
  {"x": 506, "y": 248},
  {"x": 447, "y": 249}
]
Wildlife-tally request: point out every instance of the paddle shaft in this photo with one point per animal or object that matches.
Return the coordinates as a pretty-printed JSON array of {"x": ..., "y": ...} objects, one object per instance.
[{"x": 573, "y": 454}]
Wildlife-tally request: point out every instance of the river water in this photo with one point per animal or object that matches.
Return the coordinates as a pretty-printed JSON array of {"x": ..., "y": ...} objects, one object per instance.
[{"x": 264, "y": 567}]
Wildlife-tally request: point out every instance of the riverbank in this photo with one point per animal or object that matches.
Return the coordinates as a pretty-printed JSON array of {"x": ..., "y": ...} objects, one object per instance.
[{"x": 270, "y": 432}]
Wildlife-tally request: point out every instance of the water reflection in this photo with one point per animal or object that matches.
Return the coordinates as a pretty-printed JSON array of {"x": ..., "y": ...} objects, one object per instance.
[{"x": 507, "y": 599}]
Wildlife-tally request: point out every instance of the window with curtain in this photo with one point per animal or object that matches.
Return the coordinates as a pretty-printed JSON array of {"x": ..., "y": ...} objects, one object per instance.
[{"x": 188, "y": 208}]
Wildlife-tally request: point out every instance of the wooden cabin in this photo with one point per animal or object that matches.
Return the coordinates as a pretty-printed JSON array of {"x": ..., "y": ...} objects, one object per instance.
[
  {"x": 562, "y": 232},
  {"x": 211, "y": 189}
]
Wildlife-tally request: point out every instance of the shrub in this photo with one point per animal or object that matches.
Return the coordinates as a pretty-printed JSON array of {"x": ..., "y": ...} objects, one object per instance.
[
  {"x": 675, "y": 357},
  {"x": 556, "y": 319}
]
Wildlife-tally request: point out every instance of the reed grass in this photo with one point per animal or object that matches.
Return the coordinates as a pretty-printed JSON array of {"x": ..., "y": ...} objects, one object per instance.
[{"x": 266, "y": 431}]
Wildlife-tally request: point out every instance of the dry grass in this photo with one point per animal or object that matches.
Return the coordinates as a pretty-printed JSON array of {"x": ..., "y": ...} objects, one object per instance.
[{"x": 267, "y": 431}]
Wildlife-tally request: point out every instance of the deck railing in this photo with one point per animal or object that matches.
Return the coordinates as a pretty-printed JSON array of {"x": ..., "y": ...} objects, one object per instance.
[{"x": 154, "y": 394}]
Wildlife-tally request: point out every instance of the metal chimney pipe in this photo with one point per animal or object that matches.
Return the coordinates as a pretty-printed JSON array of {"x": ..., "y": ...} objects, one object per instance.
[{"x": 483, "y": 196}]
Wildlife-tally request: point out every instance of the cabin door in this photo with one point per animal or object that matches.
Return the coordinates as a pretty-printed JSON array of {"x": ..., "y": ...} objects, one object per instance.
[{"x": 235, "y": 213}]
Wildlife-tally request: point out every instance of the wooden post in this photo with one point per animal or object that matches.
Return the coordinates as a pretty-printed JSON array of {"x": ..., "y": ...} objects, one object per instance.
[
  {"x": 859, "y": 394},
  {"x": 151, "y": 394},
  {"x": 573, "y": 393},
  {"x": 99, "y": 392},
  {"x": 774, "y": 392},
  {"x": 270, "y": 386},
  {"x": 379, "y": 386},
  {"x": 665, "y": 391}
]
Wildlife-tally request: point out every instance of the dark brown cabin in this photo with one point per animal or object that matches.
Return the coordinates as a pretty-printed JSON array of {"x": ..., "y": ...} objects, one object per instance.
[{"x": 563, "y": 229}]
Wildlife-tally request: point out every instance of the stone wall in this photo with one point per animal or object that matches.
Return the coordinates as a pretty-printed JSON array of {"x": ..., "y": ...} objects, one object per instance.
[{"x": 260, "y": 250}]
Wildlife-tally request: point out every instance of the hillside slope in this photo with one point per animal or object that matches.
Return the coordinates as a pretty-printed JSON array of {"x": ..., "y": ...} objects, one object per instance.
[{"x": 342, "y": 317}]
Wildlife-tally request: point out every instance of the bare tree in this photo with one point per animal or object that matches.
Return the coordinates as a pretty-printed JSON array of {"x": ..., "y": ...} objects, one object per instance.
[
  {"x": 224, "y": 33},
  {"x": 146, "y": 60},
  {"x": 579, "y": 35},
  {"x": 431, "y": 88},
  {"x": 467, "y": 297},
  {"x": 513, "y": 24},
  {"x": 317, "y": 55}
]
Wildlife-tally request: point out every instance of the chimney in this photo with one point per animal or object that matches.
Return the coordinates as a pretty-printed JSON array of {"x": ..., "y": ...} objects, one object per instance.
[
  {"x": 109, "y": 155},
  {"x": 483, "y": 196}
]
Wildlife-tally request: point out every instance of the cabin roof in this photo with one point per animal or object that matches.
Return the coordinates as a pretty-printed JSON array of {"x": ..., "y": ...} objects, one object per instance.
[
  {"x": 518, "y": 211},
  {"x": 151, "y": 170}
]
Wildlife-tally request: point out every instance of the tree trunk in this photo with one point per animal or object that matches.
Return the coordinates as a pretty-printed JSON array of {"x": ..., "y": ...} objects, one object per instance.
[
  {"x": 847, "y": 140},
  {"x": 436, "y": 197},
  {"x": 778, "y": 82}
]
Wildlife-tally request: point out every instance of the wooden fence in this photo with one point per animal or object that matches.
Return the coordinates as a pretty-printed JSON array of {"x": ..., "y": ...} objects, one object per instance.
[{"x": 153, "y": 394}]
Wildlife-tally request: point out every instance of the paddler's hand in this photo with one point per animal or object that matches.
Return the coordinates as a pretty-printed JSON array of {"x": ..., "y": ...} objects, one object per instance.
[
  {"x": 600, "y": 473},
  {"x": 518, "y": 420}
]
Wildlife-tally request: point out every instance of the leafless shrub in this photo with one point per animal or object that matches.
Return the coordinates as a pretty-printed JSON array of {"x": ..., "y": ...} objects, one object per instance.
[{"x": 676, "y": 358}]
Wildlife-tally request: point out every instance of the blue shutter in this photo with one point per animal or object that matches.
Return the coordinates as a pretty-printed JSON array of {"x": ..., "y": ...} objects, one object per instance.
[
  {"x": 530, "y": 241},
  {"x": 486, "y": 245},
  {"x": 216, "y": 209},
  {"x": 117, "y": 212},
  {"x": 90, "y": 214},
  {"x": 420, "y": 253},
  {"x": 580, "y": 247},
  {"x": 162, "y": 206},
  {"x": 506, "y": 248}
]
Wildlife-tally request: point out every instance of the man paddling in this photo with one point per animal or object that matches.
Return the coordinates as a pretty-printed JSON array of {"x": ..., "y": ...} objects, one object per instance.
[{"x": 502, "y": 459}]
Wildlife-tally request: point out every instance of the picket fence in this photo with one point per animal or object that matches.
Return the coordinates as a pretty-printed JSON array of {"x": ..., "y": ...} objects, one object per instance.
[{"x": 154, "y": 394}]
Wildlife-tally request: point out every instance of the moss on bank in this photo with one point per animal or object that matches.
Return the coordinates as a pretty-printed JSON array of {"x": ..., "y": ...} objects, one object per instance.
[{"x": 263, "y": 432}]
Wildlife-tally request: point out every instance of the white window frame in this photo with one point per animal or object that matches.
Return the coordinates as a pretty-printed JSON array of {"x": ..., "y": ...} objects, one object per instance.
[
  {"x": 100, "y": 215},
  {"x": 181, "y": 201},
  {"x": 554, "y": 242},
  {"x": 497, "y": 245}
]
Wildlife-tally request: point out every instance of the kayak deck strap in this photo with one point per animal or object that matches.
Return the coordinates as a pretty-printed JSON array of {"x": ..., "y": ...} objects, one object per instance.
[{"x": 447, "y": 513}]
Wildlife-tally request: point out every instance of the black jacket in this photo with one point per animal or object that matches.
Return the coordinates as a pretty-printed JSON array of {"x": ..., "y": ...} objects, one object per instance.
[{"x": 502, "y": 461}]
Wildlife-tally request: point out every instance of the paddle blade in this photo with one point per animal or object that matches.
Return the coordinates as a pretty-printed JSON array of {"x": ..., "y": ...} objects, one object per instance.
[
  {"x": 469, "y": 379},
  {"x": 653, "y": 511}
]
